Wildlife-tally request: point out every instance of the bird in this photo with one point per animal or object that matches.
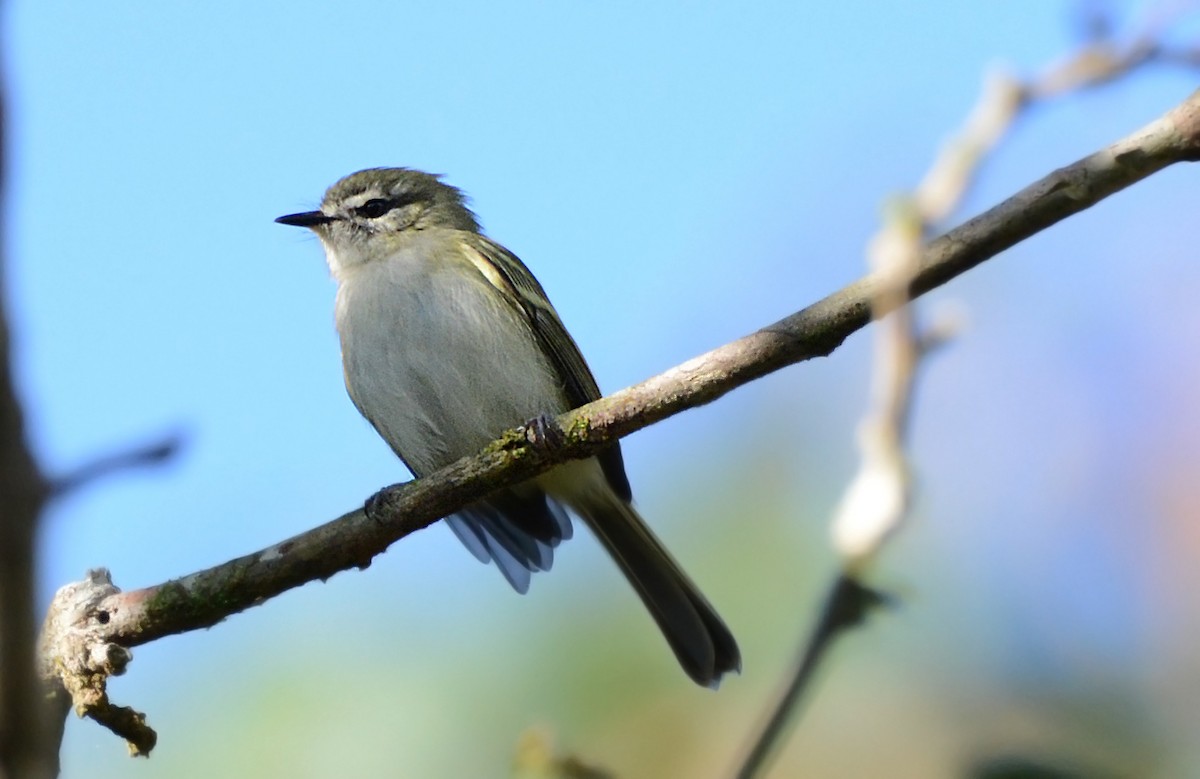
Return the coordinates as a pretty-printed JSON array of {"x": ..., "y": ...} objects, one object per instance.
[{"x": 447, "y": 341}]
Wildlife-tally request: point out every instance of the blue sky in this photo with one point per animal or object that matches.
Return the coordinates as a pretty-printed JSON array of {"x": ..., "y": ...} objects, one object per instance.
[{"x": 676, "y": 175}]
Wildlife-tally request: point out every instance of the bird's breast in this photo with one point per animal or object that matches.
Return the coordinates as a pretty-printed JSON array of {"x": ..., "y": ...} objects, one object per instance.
[{"x": 437, "y": 359}]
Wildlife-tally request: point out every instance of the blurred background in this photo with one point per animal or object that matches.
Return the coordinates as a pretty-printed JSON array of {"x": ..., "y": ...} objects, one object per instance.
[{"x": 677, "y": 175}]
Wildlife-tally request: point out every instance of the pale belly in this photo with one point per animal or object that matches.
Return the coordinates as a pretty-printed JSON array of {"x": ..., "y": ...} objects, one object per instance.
[{"x": 438, "y": 362}]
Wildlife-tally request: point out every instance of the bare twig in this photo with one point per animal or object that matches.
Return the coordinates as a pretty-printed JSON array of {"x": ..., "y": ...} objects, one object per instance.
[
  {"x": 145, "y": 455},
  {"x": 878, "y": 498},
  {"x": 1101, "y": 57},
  {"x": 846, "y": 605},
  {"x": 206, "y": 597}
]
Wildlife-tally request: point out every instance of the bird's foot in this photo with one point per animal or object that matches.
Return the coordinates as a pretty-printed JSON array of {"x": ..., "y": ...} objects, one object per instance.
[
  {"x": 544, "y": 433},
  {"x": 374, "y": 508}
]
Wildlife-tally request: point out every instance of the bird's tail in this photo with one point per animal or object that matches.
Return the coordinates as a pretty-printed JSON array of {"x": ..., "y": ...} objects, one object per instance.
[{"x": 705, "y": 647}]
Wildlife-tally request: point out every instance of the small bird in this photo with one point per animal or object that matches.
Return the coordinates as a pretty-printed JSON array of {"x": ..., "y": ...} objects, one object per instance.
[{"x": 447, "y": 341}]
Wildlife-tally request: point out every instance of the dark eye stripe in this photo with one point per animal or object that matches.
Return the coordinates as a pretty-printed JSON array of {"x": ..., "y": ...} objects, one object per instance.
[
  {"x": 378, "y": 206},
  {"x": 374, "y": 208}
]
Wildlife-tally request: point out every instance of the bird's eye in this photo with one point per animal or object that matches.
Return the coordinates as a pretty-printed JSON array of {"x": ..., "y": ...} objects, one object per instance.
[{"x": 373, "y": 208}]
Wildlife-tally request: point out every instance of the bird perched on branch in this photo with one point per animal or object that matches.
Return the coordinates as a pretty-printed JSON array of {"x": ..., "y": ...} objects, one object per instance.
[{"x": 447, "y": 341}]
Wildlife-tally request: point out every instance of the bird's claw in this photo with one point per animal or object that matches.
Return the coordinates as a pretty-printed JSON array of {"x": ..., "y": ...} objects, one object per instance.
[{"x": 374, "y": 506}]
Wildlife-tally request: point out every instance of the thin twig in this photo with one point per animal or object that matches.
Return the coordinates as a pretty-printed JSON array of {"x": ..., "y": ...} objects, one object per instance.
[
  {"x": 846, "y": 605},
  {"x": 145, "y": 455},
  {"x": 877, "y": 500}
]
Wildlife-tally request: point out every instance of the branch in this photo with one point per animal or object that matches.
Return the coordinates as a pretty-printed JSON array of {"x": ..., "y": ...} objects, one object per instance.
[
  {"x": 202, "y": 599},
  {"x": 847, "y": 605},
  {"x": 878, "y": 499},
  {"x": 1102, "y": 58},
  {"x": 25, "y": 724},
  {"x": 146, "y": 455}
]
